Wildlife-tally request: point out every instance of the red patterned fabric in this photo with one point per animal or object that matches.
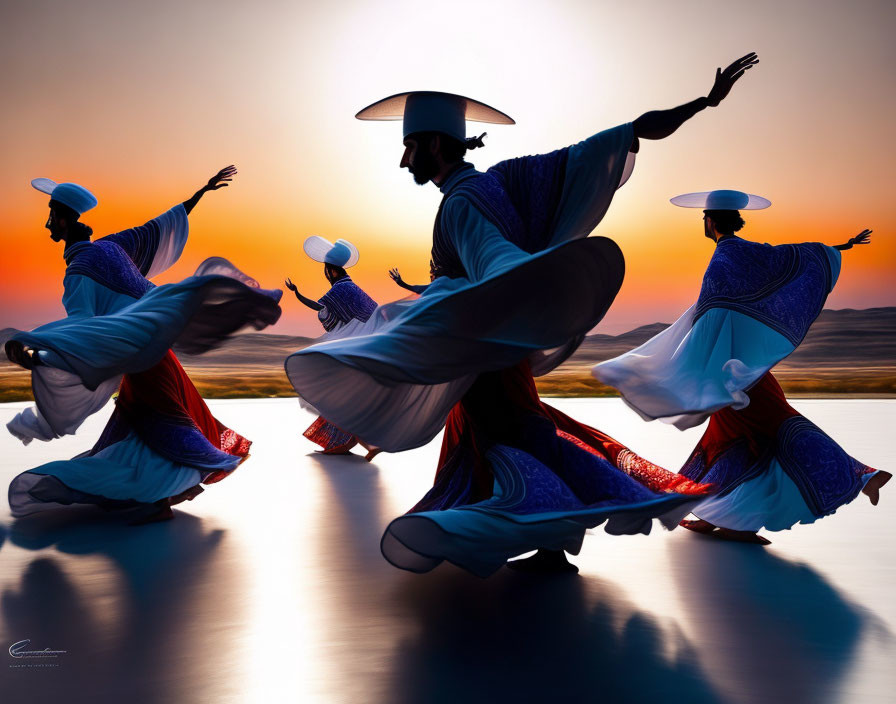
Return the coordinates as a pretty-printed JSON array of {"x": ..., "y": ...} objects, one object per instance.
[
  {"x": 166, "y": 390},
  {"x": 328, "y": 436},
  {"x": 758, "y": 423},
  {"x": 492, "y": 412}
]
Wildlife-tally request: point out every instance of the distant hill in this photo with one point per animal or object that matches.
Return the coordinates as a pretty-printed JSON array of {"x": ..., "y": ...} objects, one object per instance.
[
  {"x": 846, "y": 352},
  {"x": 253, "y": 348},
  {"x": 836, "y": 337}
]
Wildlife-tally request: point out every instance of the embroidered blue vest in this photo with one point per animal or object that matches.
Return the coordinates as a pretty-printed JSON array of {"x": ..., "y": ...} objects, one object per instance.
[
  {"x": 784, "y": 286},
  {"x": 518, "y": 196},
  {"x": 108, "y": 264},
  {"x": 345, "y": 301}
]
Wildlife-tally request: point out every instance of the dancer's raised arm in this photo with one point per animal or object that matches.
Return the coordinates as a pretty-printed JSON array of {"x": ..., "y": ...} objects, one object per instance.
[
  {"x": 313, "y": 305},
  {"x": 396, "y": 277},
  {"x": 219, "y": 180},
  {"x": 658, "y": 124},
  {"x": 864, "y": 237}
]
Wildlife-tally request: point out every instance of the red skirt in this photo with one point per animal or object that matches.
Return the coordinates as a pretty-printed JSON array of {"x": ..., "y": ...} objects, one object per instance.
[
  {"x": 500, "y": 408},
  {"x": 769, "y": 433},
  {"x": 163, "y": 406}
]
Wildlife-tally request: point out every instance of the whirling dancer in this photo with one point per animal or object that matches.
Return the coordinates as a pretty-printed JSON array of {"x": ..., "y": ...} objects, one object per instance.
[
  {"x": 518, "y": 285},
  {"x": 343, "y": 303},
  {"x": 161, "y": 442},
  {"x": 772, "y": 468}
]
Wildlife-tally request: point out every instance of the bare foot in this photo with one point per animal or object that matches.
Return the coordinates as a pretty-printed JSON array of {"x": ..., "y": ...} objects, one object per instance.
[
  {"x": 545, "y": 562},
  {"x": 344, "y": 449},
  {"x": 372, "y": 451},
  {"x": 873, "y": 485},
  {"x": 163, "y": 512},
  {"x": 698, "y": 526},
  {"x": 187, "y": 495},
  {"x": 741, "y": 536}
]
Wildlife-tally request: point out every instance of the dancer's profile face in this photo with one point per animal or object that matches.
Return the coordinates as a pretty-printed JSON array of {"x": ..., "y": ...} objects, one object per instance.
[
  {"x": 419, "y": 161},
  {"x": 56, "y": 228},
  {"x": 709, "y": 227}
]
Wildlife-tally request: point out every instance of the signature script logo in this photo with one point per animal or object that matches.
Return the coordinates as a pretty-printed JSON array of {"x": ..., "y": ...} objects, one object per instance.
[{"x": 17, "y": 650}]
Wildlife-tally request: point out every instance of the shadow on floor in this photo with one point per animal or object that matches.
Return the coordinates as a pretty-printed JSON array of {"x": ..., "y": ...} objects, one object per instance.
[
  {"x": 511, "y": 637},
  {"x": 122, "y": 627},
  {"x": 516, "y": 637},
  {"x": 771, "y": 630}
]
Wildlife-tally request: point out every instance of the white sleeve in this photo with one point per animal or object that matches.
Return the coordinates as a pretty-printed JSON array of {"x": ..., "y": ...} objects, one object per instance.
[
  {"x": 595, "y": 169},
  {"x": 158, "y": 244},
  {"x": 174, "y": 226},
  {"x": 82, "y": 296},
  {"x": 481, "y": 247},
  {"x": 62, "y": 405}
]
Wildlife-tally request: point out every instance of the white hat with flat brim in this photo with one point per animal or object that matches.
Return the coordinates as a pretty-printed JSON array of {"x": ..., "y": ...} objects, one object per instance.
[
  {"x": 721, "y": 200},
  {"x": 432, "y": 111},
  {"x": 74, "y": 196},
  {"x": 339, "y": 253}
]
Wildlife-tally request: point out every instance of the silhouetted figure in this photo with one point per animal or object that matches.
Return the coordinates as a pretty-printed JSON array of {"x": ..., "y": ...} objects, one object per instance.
[
  {"x": 517, "y": 286},
  {"x": 344, "y": 303},
  {"x": 771, "y": 467},
  {"x": 161, "y": 442}
]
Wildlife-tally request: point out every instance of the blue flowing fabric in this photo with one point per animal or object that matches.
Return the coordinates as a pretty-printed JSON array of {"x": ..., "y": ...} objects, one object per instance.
[
  {"x": 772, "y": 467},
  {"x": 756, "y": 304},
  {"x": 547, "y": 492},
  {"x": 193, "y": 316},
  {"x": 119, "y": 323},
  {"x": 775, "y": 476},
  {"x": 516, "y": 280}
]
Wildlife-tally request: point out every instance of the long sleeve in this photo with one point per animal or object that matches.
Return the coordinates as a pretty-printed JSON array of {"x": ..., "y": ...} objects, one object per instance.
[
  {"x": 157, "y": 245},
  {"x": 755, "y": 307},
  {"x": 62, "y": 403},
  {"x": 481, "y": 247},
  {"x": 108, "y": 334},
  {"x": 595, "y": 169}
]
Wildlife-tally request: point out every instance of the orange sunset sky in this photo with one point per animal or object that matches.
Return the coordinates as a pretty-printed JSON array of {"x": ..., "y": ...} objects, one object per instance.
[{"x": 142, "y": 102}]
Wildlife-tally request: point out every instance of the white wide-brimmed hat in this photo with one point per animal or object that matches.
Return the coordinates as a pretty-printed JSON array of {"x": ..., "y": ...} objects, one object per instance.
[
  {"x": 431, "y": 111},
  {"x": 74, "y": 196},
  {"x": 721, "y": 200},
  {"x": 340, "y": 253}
]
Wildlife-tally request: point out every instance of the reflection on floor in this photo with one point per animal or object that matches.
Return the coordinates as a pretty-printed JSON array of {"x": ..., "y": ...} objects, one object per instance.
[
  {"x": 784, "y": 633},
  {"x": 270, "y": 587}
]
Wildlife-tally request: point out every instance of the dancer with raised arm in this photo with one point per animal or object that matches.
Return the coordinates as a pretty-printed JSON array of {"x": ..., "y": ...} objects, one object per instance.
[
  {"x": 413, "y": 288},
  {"x": 517, "y": 286},
  {"x": 161, "y": 442},
  {"x": 771, "y": 466},
  {"x": 343, "y": 303}
]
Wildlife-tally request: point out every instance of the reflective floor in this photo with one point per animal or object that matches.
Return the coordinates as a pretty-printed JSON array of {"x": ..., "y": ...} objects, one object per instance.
[{"x": 270, "y": 588}]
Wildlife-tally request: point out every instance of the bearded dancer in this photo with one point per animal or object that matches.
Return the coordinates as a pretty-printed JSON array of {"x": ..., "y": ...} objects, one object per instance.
[
  {"x": 771, "y": 466},
  {"x": 161, "y": 442},
  {"x": 517, "y": 287}
]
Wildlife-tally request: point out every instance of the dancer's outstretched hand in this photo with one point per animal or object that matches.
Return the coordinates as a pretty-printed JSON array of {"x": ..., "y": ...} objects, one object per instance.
[
  {"x": 864, "y": 237},
  {"x": 221, "y": 179},
  {"x": 395, "y": 276},
  {"x": 290, "y": 285},
  {"x": 726, "y": 79}
]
